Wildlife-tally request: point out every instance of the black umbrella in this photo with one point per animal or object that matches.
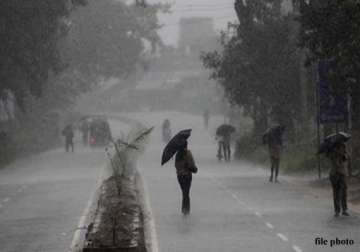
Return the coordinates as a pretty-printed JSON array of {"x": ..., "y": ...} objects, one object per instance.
[
  {"x": 175, "y": 144},
  {"x": 276, "y": 129},
  {"x": 225, "y": 129},
  {"x": 275, "y": 132},
  {"x": 332, "y": 140}
]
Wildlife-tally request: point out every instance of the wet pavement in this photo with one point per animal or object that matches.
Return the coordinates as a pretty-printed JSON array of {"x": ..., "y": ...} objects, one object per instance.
[
  {"x": 234, "y": 207},
  {"x": 45, "y": 195},
  {"x": 42, "y": 197}
]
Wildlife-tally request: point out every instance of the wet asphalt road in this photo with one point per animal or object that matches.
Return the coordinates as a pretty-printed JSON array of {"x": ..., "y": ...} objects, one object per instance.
[
  {"x": 234, "y": 208},
  {"x": 42, "y": 197}
]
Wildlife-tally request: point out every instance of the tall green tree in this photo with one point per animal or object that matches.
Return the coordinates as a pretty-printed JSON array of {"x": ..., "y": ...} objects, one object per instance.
[
  {"x": 330, "y": 31},
  {"x": 29, "y": 35},
  {"x": 258, "y": 66},
  {"x": 108, "y": 37}
]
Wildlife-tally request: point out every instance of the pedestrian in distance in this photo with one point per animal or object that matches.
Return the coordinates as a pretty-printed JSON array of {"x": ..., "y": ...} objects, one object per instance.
[
  {"x": 224, "y": 147},
  {"x": 338, "y": 178},
  {"x": 273, "y": 138},
  {"x": 223, "y": 136},
  {"x": 185, "y": 166},
  {"x": 68, "y": 133}
]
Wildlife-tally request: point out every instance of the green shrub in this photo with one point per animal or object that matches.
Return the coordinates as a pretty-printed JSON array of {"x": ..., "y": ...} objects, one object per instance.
[
  {"x": 249, "y": 147},
  {"x": 295, "y": 159}
]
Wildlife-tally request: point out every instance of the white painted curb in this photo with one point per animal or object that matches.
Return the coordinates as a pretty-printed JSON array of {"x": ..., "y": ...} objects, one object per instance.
[
  {"x": 79, "y": 235},
  {"x": 150, "y": 235}
]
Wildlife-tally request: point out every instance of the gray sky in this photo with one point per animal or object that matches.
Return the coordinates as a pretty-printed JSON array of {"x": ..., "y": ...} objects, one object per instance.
[{"x": 221, "y": 10}]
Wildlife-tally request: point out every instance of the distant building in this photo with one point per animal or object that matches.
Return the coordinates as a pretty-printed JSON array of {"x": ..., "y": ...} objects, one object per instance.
[{"x": 197, "y": 34}]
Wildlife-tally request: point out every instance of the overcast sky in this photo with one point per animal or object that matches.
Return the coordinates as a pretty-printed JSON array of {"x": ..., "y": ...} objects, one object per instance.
[{"x": 221, "y": 10}]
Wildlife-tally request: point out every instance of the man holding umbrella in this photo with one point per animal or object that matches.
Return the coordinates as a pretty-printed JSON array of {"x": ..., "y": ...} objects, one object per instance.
[
  {"x": 184, "y": 164},
  {"x": 273, "y": 137},
  {"x": 335, "y": 149},
  {"x": 223, "y": 136}
]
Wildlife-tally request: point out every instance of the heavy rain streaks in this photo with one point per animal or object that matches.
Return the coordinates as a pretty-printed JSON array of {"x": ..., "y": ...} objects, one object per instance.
[{"x": 189, "y": 125}]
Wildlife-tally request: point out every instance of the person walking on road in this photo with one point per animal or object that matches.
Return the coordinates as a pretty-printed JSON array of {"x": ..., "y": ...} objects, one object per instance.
[
  {"x": 338, "y": 174},
  {"x": 273, "y": 137},
  {"x": 185, "y": 166},
  {"x": 223, "y": 136},
  {"x": 68, "y": 133}
]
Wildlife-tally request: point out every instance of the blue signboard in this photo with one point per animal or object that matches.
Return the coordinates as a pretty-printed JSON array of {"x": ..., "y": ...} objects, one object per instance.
[{"x": 333, "y": 107}]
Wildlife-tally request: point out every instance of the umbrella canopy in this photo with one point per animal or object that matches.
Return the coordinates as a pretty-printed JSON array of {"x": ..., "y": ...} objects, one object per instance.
[
  {"x": 274, "y": 133},
  {"x": 276, "y": 129},
  {"x": 175, "y": 144},
  {"x": 225, "y": 129},
  {"x": 332, "y": 140}
]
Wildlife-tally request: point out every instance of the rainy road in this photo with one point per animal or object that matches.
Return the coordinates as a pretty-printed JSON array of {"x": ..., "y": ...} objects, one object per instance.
[
  {"x": 234, "y": 208},
  {"x": 42, "y": 197}
]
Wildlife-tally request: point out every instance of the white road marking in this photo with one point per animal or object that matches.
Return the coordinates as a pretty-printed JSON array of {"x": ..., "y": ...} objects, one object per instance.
[
  {"x": 269, "y": 225},
  {"x": 233, "y": 195},
  {"x": 6, "y": 200},
  {"x": 282, "y": 237},
  {"x": 258, "y": 214},
  {"x": 297, "y": 248}
]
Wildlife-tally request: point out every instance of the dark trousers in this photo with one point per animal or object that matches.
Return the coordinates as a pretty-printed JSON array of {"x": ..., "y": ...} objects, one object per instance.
[
  {"x": 69, "y": 144},
  {"x": 224, "y": 148},
  {"x": 185, "y": 184},
  {"x": 275, "y": 162},
  {"x": 339, "y": 186}
]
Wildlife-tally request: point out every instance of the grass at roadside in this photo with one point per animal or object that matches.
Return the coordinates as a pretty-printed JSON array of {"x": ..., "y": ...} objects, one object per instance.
[{"x": 294, "y": 160}]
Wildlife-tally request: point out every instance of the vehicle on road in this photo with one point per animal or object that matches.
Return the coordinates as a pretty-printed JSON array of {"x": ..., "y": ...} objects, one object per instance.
[{"x": 100, "y": 133}]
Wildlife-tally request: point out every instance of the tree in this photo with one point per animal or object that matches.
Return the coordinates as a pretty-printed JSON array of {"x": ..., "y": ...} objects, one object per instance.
[
  {"x": 29, "y": 35},
  {"x": 49, "y": 48},
  {"x": 330, "y": 31},
  {"x": 108, "y": 38},
  {"x": 258, "y": 67}
]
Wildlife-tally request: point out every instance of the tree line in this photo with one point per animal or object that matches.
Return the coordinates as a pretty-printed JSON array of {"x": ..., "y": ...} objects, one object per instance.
[
  {"x": 268, "y": 62},
  {"x": 53, "y": 51}
]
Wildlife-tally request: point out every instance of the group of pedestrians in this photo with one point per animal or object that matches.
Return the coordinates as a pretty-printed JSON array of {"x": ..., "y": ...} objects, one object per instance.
[
  {"x": 68, "y": 134},
  {"x": 185, "y": 164},
  {"x": 336, "y": 152}
]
